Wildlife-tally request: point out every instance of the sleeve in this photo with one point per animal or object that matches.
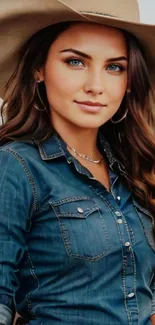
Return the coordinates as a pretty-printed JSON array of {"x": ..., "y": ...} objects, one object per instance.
[
  {"x": 16, "y": 202},
  {"x": 153, "y": 299}
]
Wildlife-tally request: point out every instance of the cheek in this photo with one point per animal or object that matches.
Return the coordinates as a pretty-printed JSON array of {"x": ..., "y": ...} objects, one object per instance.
[
  {"x": 60, "y": 81},
  {"x": 117, "y": 88}
]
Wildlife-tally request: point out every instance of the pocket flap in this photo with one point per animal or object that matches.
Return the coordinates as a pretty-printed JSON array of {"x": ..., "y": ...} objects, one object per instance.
[{"x": 74, "y": 207}]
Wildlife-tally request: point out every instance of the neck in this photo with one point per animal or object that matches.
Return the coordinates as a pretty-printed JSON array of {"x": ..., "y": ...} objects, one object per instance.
[{"x": 81, "y": 139}]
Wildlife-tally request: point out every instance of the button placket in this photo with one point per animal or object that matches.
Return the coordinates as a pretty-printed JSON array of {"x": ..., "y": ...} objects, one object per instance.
[
  {"x": 118, "y": 214},
  {"x": 129, "y": 266},
  {"x": 127, "y": 244},
  {"x": 119, "y": 220},
  {"x": 129, "y": 273}
]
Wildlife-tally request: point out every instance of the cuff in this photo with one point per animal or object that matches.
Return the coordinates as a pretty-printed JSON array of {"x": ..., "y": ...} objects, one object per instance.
[{"x": 6, "y": 315}]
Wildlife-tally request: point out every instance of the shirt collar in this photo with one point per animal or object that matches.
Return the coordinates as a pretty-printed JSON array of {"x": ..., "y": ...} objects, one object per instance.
[
  {"x": 55, "y": 147},
  {"x": 114, "y": 162},
  {"x": 51, "y": 148}
]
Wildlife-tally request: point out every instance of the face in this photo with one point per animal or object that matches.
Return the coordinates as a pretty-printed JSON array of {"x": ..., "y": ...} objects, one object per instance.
[{"x": 85, "y": 75}]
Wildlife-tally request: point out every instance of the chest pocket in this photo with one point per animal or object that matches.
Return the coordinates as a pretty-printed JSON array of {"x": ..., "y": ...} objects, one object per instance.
[
  {"x": 147, "y": 223},
  {"x": 82, "y": 228}
]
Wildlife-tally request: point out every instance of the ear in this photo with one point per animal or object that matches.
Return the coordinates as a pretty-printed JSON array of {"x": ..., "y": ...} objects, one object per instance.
[{"x": 39, "y": 75}]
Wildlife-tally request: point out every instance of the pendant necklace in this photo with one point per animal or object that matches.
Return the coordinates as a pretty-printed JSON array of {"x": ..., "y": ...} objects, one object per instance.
[{"x": 86, "y": 157}]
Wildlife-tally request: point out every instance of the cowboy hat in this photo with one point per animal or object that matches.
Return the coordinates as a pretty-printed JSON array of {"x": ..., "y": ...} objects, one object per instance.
[{"x": 20, "y": 20}]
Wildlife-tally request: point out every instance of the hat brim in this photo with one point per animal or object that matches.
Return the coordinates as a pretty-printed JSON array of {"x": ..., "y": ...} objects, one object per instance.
[{"x": 17, "y": 25}]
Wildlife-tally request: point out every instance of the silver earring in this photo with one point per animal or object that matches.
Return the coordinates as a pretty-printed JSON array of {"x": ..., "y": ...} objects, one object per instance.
[
  {"x": 121, "y": 119},
  {"x": 41, "y": 101}
]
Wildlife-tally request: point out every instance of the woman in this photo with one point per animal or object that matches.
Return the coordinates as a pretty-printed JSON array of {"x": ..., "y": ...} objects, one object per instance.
[{"x": 77, "y": 176}]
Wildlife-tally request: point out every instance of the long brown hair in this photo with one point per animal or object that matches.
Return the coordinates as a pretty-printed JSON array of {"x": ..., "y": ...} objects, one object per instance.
[
  {"x": 22, "y": 120},
  {"x": 132, "y": 140}
]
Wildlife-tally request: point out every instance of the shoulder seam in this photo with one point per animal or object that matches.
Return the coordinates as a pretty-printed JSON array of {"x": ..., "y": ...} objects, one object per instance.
[{"x": 28, "y": 174}]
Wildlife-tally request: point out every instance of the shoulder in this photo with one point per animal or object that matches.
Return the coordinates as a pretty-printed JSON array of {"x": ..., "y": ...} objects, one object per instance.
[
  {"x": 21, "y": 151},
  {"x": 18, "y": 157},
  {"x": 16, "y": 177}
]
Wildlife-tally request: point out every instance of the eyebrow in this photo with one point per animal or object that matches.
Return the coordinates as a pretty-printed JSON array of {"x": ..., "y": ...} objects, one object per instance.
[{"x": 84, "y": 55}]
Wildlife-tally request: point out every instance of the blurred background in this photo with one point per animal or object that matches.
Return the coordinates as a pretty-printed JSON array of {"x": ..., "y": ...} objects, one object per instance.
[
  {"x": 147, "y": 11},
  {"x": 147, "y": 14}
]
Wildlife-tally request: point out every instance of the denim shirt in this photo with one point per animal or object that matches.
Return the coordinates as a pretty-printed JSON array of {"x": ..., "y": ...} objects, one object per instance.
[{"x": 70, "y": 251}]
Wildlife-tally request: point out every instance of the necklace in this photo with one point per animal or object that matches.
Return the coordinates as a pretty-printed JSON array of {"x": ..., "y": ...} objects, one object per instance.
[{"x": 85, "y": 157}]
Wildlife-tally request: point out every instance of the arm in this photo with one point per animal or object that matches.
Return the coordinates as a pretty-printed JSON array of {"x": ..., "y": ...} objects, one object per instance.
[{"x": 16, "y": 200}]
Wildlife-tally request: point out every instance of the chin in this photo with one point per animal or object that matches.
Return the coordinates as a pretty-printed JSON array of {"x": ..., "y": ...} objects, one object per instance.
[
  {"x": 87, "y": 125},
  {"x": 91, "y": 123}
]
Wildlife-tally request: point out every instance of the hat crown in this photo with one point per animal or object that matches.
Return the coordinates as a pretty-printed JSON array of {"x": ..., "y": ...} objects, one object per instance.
[{"x": 127, "y": 10}]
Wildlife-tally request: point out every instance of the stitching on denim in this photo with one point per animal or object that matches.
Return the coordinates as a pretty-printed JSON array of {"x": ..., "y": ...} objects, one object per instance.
[
  {"x": 29, "y": 306},
  {"x": 83, "y": 215},
  {"x": 54, "y": 155},
  {"x": 28, "y": 296},
  {"x": 132, "y": 236},
  {"x": 146, "y": 230},
  {"x": 67, "y": 242},
  {"x": 59, "y": 143},
  {"x": 124, "y": 289},
  {"x": 128, "y": 229},
  {"x": 125, "y": 261},
  {"x": 32, "y": 271},
  {"x": 138, "y": 206},
  {"x": 29, "y": 176},
  {"x": 124, "y": 264},
  {"x": 70, "y": 199},
  {"x": 45, "y": 157},
  {"x": 134, "y": 273},
  {"x": 112, "y": 210},
  {"x": 134, "y": 287}
]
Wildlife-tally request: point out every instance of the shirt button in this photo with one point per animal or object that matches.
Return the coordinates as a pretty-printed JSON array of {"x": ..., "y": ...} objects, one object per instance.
[
  {"x": 127, "y": 244},
  {"x": 120, "y": 221},
  {"x": 118, "y": 214},
  {"x": 131, "y": 295},
  {"x": 118, "y": 198},
  {"x": 80, "y": 210}
]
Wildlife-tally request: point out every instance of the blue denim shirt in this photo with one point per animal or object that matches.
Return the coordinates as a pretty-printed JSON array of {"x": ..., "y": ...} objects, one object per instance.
[{"x": 70, "y": 251}]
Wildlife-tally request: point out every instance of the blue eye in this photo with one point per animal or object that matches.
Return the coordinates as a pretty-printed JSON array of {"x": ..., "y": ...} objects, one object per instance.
[
  {"x": 115, "y": 68},
  {"x": 75, "y": 62}
]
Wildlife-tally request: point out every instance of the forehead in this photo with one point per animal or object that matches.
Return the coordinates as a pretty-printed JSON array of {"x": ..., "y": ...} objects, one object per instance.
[{"x": 91, "y": 36}]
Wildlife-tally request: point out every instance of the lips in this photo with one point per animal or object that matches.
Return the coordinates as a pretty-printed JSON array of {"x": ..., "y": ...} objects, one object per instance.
[
  {"x": 88, "y": 103},
  {"x": 90, "y": 107}
]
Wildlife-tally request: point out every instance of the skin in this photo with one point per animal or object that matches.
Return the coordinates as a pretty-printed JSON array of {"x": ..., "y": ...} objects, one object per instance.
[
  {"x": 95, "y": 79},
  {"x": 69, "y": 77}
]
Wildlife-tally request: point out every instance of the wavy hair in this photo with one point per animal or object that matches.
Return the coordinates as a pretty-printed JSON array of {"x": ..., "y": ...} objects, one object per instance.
[{"x": 133, "y": 139}]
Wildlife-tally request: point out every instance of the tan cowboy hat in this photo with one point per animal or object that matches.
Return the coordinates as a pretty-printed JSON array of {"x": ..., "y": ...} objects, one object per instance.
[{"x": 20, "y": 19}]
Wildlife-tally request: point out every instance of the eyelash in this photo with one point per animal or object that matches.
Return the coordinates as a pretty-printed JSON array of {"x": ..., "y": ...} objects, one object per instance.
[
  {"x": 116, "y": 65},
  {"x": 121, "y": 68},
  {"x": 68, "y": 61}
]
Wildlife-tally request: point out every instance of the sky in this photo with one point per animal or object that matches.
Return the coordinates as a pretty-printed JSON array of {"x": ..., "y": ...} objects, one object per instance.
[{"x": 147, "y": 11}]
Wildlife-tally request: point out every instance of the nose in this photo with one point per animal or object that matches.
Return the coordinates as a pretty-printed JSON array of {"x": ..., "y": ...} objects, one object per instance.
[{"x": 94, "y": 83}]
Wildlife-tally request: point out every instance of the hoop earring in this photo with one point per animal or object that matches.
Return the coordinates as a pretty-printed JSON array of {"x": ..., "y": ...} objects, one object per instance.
[
  {"x": 41, "y": 101},
  {"x": 121, "y": 119}
]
